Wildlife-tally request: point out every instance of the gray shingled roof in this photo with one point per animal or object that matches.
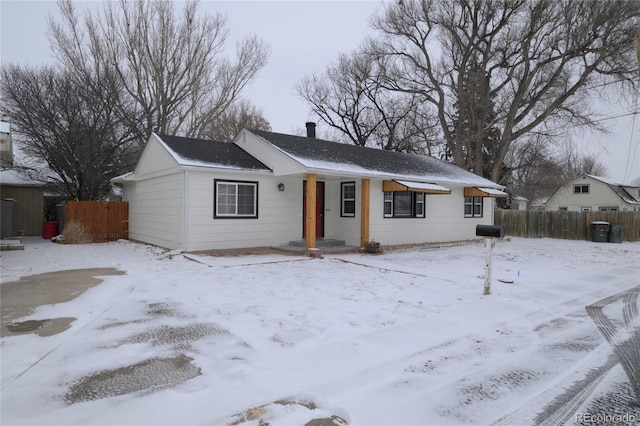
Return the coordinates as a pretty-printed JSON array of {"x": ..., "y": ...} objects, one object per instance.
[
  {"x": 313, "y": 153},
  {"x": 618, "y": 188},
  {"x": 211, "y": 153}
]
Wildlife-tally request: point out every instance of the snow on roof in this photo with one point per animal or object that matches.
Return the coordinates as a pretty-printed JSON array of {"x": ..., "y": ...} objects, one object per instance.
[
  {"x": 121, "y": 178},
  {"x": 618, "y": 188},
  {"x": 604, "y": 180},
  {"x": 369, "y": 162},
  {"x": 491, "y": 191},
  {"x": 14, "y": 177},
  {"x": 324, "y": 156},
  {"x": 422, "y": 185},
  {"x": 208, "y": 153}
]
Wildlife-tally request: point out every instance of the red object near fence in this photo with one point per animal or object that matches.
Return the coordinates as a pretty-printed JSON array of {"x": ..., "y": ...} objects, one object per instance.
[{"x": 49, "y": 230}]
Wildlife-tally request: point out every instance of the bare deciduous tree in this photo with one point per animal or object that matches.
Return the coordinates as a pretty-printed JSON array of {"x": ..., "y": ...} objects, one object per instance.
[
  {"x": 349, "y": 97},
  {"x": 574, "y": 163},
  {"x": 71, "y": 132},
  {"x": 239, "y": 115},
  {"x": 542, "y": 60},
  {"x": 537, "y": 170},
  {"x": 173, "y": 68}
]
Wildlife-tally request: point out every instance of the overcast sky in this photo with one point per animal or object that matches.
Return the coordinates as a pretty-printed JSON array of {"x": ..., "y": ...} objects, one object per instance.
[{"x": 305, "y": 37}]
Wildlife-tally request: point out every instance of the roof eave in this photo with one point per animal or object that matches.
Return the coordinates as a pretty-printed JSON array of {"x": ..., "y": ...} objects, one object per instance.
[
  {"x": 392, "y": 176},
  {"x": 223, "y": 168},
  {"x": 127, "y": 177}
]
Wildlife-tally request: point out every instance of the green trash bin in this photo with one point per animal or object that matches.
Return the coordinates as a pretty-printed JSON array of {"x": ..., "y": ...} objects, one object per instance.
[
  {"x": 599, "y": 231},
  {"x": 616, "y": 233}
]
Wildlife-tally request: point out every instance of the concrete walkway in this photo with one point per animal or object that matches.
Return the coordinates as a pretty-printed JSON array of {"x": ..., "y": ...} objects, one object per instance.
[{"x": 21, "y": 298}]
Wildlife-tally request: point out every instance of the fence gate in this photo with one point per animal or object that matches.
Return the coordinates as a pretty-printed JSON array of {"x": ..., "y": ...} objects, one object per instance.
[{"x": 103, "y": 220}]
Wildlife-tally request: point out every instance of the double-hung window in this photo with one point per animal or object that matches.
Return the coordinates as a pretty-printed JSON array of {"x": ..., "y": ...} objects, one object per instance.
[
  {"x": 404, "y": 204},
  {"x": 235, "y": 199},
  {"x": 348, "y": 199},
  {"x": 580, "y": 189},
  {"x": 473, "y": 207}
]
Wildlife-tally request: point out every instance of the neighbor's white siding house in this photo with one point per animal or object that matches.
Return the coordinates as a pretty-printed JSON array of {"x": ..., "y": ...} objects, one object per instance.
[{"x": 594, "y": 193}]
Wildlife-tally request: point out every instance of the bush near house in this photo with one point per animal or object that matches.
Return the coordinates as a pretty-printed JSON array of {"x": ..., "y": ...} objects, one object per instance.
[{"x": 75, "y": 233}]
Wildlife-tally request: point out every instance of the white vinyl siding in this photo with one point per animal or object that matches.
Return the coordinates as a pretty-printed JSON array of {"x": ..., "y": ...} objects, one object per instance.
[
  {"x": 442, "y": 223},
  {"x": 155, "y": 210},
  {"x": 272, "y": 227}
]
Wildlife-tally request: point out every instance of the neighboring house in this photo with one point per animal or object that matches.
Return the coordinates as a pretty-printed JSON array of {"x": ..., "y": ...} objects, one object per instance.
[
  {"x": 517, "y": 202},
  {"x": 538, "y": 204},
  {"x": 25, "y": 210},
  {"x": 267, "y": 189},
  {"x": 594, "y": 193}
]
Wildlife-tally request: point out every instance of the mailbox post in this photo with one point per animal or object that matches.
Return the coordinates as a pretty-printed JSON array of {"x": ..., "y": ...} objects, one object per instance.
[{"x": 490, "y": 233}]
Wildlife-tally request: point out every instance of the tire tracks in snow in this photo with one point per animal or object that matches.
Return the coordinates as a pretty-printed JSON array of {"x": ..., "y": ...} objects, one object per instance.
[
  {"x": 560, "y": 402},
  {"x": 392, "y": 267},
  {"x": 517, "y": 363},
  {"x": 624, "y": 334},
  {"x": 565, "y": 335}
]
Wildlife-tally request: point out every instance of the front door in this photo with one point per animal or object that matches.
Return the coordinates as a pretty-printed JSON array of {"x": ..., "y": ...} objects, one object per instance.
[{"x": 319, "y": 208}]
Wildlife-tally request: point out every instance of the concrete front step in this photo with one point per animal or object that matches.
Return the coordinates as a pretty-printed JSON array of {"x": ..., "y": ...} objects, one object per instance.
[
  {"x": 320, "y": 243},
  {"x": 11, "y": 244},
  {"x": 323, "y": 250}
]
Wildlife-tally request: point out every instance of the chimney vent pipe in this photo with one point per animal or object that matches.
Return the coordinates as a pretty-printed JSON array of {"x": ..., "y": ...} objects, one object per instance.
[{"x": 311, "y": 129}]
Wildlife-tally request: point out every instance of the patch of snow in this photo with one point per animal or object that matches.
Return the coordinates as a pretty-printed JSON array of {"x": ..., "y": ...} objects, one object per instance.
[
  {"x": 13, "y": 177},
  {"x": 492, "y": 191},
  {"x": 423, "y": 185},
  {"x": 403, "y": 338}
]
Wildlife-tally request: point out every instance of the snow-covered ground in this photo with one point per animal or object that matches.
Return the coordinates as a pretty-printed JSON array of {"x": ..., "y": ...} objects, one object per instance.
[{"x": 402, "y": 338}]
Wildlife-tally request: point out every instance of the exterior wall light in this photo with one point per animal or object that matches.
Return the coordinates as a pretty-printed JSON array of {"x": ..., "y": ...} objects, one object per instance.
[{"x": 281, "y": 186}]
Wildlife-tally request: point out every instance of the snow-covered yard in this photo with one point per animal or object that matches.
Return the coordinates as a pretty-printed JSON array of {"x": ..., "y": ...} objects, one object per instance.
[{"x": 402, "y": 338}]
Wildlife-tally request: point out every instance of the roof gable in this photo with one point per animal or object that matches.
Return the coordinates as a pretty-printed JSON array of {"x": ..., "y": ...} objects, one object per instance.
[
  {"x": 618, "y": 188},
  {"x": 208, "y": 153},
  {"x": 321, "y": 154}
]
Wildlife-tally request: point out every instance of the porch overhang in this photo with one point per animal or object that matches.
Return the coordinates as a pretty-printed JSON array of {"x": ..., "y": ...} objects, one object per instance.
[
  {"x": 405, "y": 185},
  {"x": 484, "y": 192}
]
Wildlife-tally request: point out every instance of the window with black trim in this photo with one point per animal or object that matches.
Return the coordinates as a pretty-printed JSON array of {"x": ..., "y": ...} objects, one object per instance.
[
  {"x": 235, "y": 199},
  {"x": 348, "y": 199},
  {"x": 404, "y": 204},
  {"x": 473, "y": 206},
  {"x": 580, "y": 189}
]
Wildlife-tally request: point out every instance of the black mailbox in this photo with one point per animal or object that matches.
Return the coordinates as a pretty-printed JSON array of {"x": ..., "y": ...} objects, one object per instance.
[{"x": 490, "y": 231}]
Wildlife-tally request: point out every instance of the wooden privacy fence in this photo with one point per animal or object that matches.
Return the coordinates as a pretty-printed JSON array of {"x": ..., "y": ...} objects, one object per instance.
[
  {"x": 103, "y": 220},
  {"x": 563, "y": 224}
]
